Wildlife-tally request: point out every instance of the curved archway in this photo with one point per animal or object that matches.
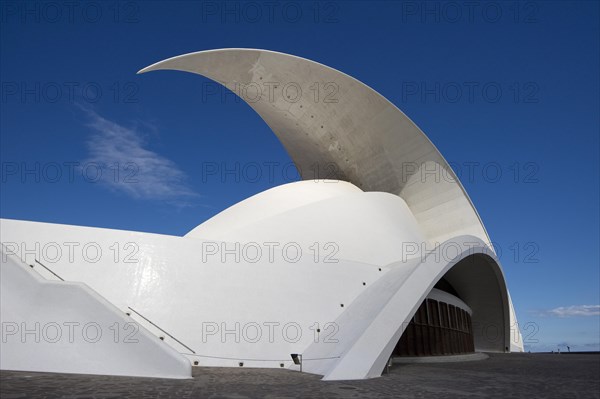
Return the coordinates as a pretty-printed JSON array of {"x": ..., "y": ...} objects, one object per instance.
[
  {"x": 480, "y": 283},
  {"x": 372, "y": 325},
  {"x": 470, "y": 316}
]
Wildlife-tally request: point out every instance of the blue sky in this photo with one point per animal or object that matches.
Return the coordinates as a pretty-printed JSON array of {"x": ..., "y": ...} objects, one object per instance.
[{"x": 506, "y": 90}]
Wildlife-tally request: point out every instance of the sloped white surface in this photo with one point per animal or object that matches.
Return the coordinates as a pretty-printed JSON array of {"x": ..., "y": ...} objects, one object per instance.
[{"x": 55, "y": 326}]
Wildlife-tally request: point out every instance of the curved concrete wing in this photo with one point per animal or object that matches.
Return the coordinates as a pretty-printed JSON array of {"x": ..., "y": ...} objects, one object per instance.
[{"x": 347, "y": 132}]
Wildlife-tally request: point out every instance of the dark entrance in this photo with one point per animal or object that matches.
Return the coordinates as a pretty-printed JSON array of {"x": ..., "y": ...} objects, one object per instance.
[{"x": 437, "y": 328}]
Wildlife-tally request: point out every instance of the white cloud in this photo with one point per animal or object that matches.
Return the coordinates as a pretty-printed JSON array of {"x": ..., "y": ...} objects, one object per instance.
[
  {"x": 577, "y": 310},
  {"x": 129, "y": 167}
]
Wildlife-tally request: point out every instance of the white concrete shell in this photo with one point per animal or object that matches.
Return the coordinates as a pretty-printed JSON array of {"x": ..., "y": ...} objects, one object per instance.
[{"x": 330, "y": 269}]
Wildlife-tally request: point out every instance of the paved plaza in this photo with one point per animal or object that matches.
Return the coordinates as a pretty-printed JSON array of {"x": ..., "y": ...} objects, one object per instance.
[{"x": 501, "y": 376}]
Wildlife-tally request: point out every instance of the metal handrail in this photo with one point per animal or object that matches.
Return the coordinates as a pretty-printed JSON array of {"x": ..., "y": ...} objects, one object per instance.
[{"x": 178, "y": 341}]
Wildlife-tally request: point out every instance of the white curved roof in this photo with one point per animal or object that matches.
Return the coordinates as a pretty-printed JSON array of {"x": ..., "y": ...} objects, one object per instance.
[
  {"x": 358, "y": 137},
  {"x": 269, "y": 203},
  {"x": 362, "y": 227}
]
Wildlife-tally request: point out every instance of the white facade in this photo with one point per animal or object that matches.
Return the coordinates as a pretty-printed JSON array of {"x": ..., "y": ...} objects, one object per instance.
[{"x": 330, "y": 269}]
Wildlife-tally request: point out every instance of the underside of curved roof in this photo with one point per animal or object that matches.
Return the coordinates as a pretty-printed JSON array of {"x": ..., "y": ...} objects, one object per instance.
[{"x": 350, "y": 132}]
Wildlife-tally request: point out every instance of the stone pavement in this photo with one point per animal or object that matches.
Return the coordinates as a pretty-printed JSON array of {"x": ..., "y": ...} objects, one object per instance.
[{"x": 500, "y": 376}]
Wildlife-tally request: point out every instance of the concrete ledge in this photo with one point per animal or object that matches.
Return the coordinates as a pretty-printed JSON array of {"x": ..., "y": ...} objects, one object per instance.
[{"x": 440, "y": 359}]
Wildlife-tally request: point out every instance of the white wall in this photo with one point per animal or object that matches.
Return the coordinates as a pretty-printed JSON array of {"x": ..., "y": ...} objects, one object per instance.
[{"x": 66, "y": 327}]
